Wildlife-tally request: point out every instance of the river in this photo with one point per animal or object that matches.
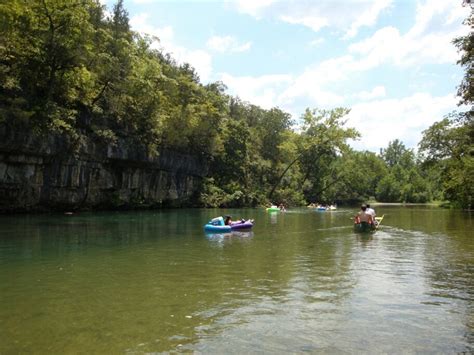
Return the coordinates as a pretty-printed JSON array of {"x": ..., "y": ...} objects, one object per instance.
[{"x": 300, "y": 281}]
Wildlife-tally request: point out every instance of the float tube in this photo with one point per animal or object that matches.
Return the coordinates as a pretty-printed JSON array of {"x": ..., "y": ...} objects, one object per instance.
[
  {"x": 243, "y": 224},
  {"x": 217, "y": 225},
  {"x": 273, "y": 209}
]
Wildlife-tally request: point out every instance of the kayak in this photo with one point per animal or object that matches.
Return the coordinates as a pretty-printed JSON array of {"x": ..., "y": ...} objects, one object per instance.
[{"x": 243, "y": 224}]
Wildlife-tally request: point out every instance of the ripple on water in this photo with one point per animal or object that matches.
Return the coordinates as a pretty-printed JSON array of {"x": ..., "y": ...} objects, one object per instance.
[{"x": 299, "y": 283}]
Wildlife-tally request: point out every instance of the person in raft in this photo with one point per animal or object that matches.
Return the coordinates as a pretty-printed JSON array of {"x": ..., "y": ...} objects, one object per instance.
[
  {"x": 364, "y": 216},
  {"x": 228, "y": 220}
]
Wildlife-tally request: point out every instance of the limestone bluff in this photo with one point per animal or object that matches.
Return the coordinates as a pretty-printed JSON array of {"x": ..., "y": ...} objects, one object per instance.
[{"x": 43, "y": 173}]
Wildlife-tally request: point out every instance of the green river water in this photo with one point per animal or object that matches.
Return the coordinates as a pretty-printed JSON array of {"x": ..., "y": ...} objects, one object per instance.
[{"x": 299, "y": 282}]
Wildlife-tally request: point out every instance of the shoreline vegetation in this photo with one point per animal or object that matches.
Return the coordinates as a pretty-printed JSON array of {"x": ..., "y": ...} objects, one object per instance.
[{"x": 69, "y": 70}]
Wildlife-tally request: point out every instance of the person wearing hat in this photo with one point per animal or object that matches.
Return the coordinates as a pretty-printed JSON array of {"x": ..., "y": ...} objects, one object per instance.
[{"x": 364, "y": 216}]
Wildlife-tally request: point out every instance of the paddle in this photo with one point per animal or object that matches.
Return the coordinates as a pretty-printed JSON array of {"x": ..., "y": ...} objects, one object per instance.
[{"x": 378, "y": 220}]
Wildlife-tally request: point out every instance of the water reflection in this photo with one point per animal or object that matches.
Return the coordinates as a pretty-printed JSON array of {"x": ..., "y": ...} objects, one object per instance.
[
  {"x": 273, "y": 217},
  {"x": 302, "y": 281},
  {"x": 228, "y": 237}
]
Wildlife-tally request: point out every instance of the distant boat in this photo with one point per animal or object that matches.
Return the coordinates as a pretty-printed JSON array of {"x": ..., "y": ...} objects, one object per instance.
[{"x": 326, "y": 208}]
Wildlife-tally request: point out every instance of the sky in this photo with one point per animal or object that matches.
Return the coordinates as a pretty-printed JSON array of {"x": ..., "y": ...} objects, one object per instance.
[{"x": 391, "y": 62}]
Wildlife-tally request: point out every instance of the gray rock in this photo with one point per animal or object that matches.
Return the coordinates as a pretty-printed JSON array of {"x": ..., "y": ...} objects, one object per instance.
[{"x": 44, "y": 173}]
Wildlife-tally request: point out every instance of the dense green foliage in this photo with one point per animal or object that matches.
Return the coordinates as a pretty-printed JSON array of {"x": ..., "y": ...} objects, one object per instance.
[
  {"x": 448, "y": 146},
  {"x": 448, "y": 151},
  {"x": 66, "y": 68}
]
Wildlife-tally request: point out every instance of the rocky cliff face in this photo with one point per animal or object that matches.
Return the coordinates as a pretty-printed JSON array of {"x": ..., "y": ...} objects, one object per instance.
[{"x": 43, "y": 173}]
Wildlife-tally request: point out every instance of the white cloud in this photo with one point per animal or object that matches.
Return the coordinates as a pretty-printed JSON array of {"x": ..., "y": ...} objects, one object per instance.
[
  {"x": 387, "y": 45},
  {"x": 316, "y": 42},
  {"x": 199, "y": 59},
  {"x": 313, "y": 21},
  {"x": 262, "y": 91},
  {"x": 368, "y": 17},
  {"x": 140, "y": 23},
  {"x": 385, "y": 120},
  {"x": 253, "y": 7},
  {"x": 431, "y": 15},
  {"x": 423, "y": 44},
  {"x": 428, "y": 41},
  {"x": 313, "y": 81},
  {"x": 377, "y": 92},
  {"x": 227, "y": 44},
  {"x": 345, "y": 16}
]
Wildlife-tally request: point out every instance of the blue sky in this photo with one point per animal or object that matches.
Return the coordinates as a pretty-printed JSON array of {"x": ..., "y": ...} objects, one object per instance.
[{"x": 390, "y": 61}]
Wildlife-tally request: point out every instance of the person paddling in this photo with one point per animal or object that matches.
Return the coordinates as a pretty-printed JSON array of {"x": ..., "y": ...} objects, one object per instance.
[
  {"x": 371, "y": 211},
  {"x": 363, "y": 216}
]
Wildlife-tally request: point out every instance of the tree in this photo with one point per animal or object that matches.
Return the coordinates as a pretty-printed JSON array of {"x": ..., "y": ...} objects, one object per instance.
[
  {"x": 389, "y": 189},
  {"x": 465, "y": 45},
  {"x": 360, "y": 172},
  {"x": 44, "y": 53},
  {"x": 396, "y": 154},
  {"x": 323, "y": 137},
  {"x": 403, "y": 182},
  {"x": 447, "y": 146}
]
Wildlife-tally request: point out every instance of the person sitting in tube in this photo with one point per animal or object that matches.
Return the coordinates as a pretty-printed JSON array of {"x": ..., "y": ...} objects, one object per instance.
[{"x": 228, "y": 220}]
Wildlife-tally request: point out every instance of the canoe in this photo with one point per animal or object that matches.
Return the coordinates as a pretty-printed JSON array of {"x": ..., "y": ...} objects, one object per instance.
[
  {"x": 364, "y": 227},
  {"x": 242, "y": 224}
]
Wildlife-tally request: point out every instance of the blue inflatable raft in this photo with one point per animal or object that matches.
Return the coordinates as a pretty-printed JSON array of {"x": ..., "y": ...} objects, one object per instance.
[{"x": 217, "y": 225}]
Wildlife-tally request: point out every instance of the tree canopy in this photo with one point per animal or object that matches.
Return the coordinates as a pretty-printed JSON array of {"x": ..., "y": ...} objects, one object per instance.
[{"x": 66, "y": 68}]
